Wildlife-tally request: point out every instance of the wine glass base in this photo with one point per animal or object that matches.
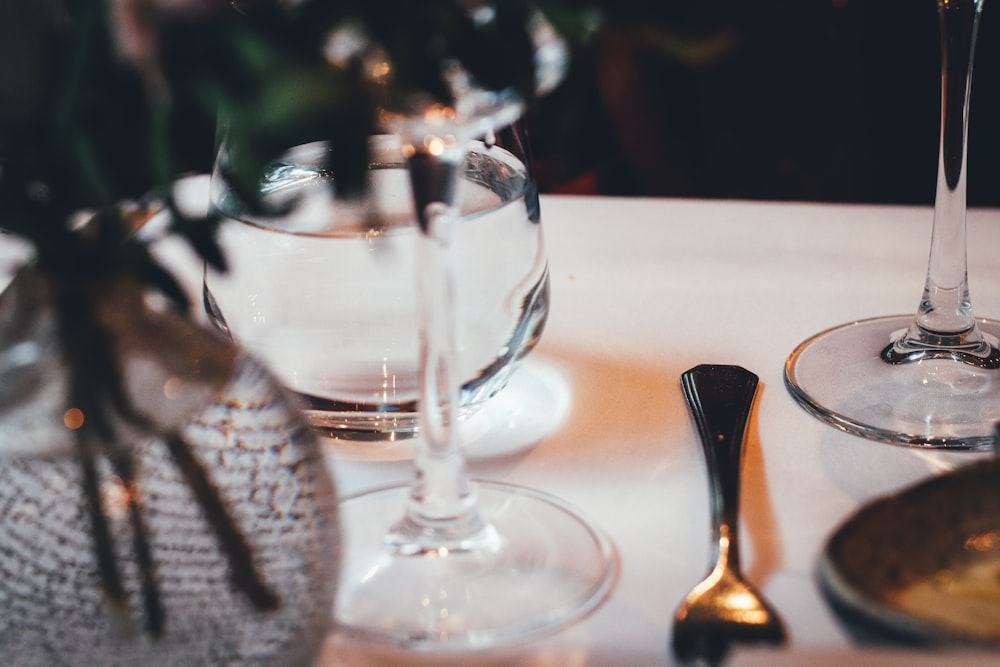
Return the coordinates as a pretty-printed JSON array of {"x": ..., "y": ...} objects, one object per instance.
[
  {"x": 839, "y": 377},
  {"x": 550, "y": 568}
]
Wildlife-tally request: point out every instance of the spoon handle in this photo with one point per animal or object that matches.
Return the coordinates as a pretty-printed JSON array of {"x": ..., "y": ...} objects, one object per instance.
[{"x": 720, "y": 399}]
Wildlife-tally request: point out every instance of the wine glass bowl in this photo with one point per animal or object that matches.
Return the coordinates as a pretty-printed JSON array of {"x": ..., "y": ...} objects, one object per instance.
[
  {"x": 931, "y": 379},
  {"x": 324, "y": 291}
]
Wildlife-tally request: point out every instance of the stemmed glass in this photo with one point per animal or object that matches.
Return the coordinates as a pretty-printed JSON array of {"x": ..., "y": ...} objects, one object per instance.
[
  {"x": 467, "y": 565},
  {"x": 932, "y": 379}
]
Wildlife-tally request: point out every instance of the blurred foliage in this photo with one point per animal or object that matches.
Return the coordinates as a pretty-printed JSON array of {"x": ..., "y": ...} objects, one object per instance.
[
  {"x": 91, "y": 117},
  {"x": 108, "y": 101}
]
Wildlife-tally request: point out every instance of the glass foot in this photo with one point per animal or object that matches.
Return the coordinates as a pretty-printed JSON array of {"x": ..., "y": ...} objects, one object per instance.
[
  {"x": 545, "y": 569},
  {"x": 936, "y": 401}
]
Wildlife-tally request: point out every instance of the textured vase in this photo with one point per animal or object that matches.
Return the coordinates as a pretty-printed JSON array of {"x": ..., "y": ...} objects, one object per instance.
[{"x": 184, "y": 385}]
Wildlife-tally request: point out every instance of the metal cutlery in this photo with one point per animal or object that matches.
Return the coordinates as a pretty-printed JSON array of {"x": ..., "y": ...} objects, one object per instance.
[{"x": 724, "y": 608}]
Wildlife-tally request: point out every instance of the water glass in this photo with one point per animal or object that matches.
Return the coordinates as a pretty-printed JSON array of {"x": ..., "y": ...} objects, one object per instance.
[{"x": 324, "y": 293}]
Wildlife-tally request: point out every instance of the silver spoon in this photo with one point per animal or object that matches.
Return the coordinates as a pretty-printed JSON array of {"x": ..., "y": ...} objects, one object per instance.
[{"x": 724, "y": 608}]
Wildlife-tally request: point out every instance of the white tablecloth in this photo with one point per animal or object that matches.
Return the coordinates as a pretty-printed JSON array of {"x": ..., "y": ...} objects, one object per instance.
[{"x": 642, "y": 290}]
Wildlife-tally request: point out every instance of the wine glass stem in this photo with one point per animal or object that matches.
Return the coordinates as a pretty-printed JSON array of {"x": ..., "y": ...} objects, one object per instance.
[
  {"x": 945, "y": 309},
  {"x": 442, "y": 511},
  {"x": 945, "y": 326}
]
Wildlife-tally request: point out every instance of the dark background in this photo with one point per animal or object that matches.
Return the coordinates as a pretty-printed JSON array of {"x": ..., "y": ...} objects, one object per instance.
[
  {"x": 826, "y": 100},
  {"x": 822, "y": 100}
]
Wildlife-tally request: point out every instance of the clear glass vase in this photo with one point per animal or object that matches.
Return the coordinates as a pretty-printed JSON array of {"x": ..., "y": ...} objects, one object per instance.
[{"x": 161, "y": 501}]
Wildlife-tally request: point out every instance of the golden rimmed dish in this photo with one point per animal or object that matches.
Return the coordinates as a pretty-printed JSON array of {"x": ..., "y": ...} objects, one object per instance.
[{"x": 923, "y": 564}]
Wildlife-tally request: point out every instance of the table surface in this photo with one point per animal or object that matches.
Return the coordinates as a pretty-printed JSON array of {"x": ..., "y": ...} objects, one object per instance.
[{"x": 642, "y": 290}]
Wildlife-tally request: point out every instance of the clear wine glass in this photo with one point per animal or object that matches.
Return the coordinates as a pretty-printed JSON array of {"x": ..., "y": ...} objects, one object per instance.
[
  {"x": 932, "y": 379},
  {"x": 445, "y": 563}
]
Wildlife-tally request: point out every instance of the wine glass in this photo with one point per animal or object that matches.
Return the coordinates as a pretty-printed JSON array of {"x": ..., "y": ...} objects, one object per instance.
[
  {"x": 932, "y": 379},
  {"x": 445, "y": 563}
]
